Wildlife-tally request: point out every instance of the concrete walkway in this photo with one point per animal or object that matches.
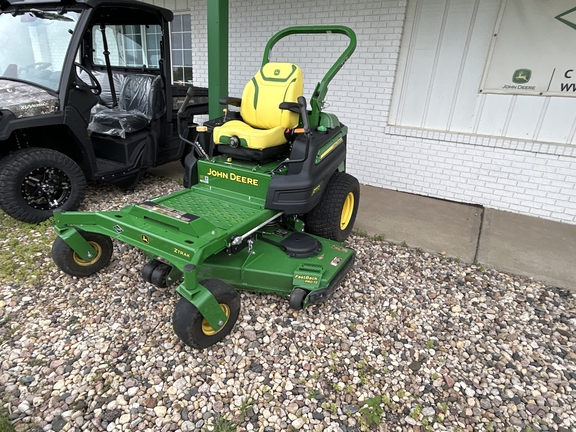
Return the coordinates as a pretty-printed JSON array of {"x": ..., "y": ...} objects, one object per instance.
[
  {"x": 539, "y": 248},
  {"x": 542, "y": 249}
]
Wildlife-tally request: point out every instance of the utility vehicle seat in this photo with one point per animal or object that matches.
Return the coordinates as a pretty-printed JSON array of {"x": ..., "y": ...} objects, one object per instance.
[
  {"x": 140, "y": 101},
  {"x": 105, "y": 98},
  {"x": 263, "y": 122}
]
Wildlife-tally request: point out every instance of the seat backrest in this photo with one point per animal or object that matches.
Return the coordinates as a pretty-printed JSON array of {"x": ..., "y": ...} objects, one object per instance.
[
  {"x": 273, "y": 84},
  {"x": 102, "y": 77},
  {"x": 143, "y": 93}
]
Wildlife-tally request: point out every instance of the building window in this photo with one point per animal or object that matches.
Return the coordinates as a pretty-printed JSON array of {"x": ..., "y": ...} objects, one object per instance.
[
  {"x": 182, "y": 48},
  {"x": 128, "y": 45}
]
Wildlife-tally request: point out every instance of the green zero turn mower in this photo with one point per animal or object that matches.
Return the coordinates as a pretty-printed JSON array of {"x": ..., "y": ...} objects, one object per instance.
[{"x": 266, "y": 207}]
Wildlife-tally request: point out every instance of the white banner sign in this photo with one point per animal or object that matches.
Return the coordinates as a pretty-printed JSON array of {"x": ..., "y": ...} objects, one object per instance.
[{"x": 533, "y": 49}]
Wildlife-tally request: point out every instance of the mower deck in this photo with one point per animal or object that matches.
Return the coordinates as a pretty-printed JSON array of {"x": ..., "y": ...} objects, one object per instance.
[{"x": 210, "y": 230}]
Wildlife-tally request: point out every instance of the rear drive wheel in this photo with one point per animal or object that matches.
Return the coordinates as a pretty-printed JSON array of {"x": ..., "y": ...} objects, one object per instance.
[
  {"x": 36, "y": 181},
  {"x": 333, "y": 218},
  {"x": 191, "y": 327},
  {"x": 71, "y": 263}
]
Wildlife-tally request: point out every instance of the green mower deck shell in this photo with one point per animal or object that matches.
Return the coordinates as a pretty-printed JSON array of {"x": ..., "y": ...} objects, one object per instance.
[{"x": 192, "y": 229}]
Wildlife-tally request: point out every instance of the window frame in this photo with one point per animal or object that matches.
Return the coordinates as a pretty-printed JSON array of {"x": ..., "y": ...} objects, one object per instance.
[{"x": 181, "y": 28}]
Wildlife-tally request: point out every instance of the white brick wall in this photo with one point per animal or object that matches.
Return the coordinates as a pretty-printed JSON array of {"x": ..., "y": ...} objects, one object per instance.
[{"x": 531, "y": 178}]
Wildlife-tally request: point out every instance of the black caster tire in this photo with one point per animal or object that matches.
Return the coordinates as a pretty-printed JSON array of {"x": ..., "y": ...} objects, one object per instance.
[
  {"x": 297, "y": 297},
  {"x": 149, "y": 268},
  {"x": 36, "y": 181},
  {"x": 191, "y": 327},
  {"x": 333, "y": 218},
  {"x": 70, "y": 262},
  {"x": 160, "y": 275}
]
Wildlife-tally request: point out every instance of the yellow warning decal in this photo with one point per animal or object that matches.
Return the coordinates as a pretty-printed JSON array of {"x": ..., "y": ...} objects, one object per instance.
[{"x": 329, "y": 150}]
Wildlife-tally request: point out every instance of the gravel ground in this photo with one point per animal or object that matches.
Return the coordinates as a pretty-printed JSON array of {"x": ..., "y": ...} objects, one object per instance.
[{"x": 411, "y": 340}]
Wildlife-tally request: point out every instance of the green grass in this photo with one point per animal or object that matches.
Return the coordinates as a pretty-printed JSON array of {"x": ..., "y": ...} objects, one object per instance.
[
  {"x": 5, "y": 425},
  {"x": 24, "y": 248},
  {"x": 372, "y": 411},
  {"x": 364, "y": 234},
  {"x": 444, "y": 407},
  {"x": 222, "y": 425},
  {"x": 416, "y": 411},
  {"x": 246, "y": 404}
]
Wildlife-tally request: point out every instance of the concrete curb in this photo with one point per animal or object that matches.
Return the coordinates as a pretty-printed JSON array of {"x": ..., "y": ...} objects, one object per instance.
[{"x": 534, "y": 247}]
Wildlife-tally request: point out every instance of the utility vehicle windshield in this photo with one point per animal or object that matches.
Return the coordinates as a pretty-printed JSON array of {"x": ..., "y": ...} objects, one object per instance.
[{"x": 33, "y": 45}]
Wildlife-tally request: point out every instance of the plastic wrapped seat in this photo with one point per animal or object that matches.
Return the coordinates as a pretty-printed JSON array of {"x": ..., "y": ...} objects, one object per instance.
[{"x": 141, "y": 100}]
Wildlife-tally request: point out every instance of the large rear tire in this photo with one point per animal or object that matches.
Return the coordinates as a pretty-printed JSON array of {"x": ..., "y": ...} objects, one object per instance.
[
  {"x": 333, "y": 218},
  {"x": 191, "y": 327},
  {"x": 36, "y": 181}
]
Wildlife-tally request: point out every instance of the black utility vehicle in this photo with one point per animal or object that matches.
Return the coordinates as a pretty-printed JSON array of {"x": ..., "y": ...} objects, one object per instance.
[{"x": 85, "y": 93}]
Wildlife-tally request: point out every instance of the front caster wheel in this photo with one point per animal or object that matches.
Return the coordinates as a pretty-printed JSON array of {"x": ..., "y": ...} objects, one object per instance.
[
  {"x": 191, "y": 327},
  {"x": 70, "y": 262}
]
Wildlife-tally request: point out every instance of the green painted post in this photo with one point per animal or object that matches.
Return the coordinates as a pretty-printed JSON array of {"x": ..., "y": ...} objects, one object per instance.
[{"x": 217, "y": 55}]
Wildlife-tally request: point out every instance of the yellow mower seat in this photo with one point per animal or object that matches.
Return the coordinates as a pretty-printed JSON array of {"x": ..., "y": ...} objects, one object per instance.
[{"x": 264, "y": 122}]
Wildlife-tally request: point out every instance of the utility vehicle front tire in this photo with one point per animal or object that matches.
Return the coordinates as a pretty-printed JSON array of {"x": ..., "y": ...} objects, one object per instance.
[
  {"x": 70, "y": 262},
  {"x": 36, "y": 181},
  {"x": 191, "y": 327},
  {"x": 333, "y": 218}
]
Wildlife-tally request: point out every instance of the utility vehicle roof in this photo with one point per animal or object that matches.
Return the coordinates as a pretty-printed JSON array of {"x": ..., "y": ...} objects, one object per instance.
[{"x": 167, "y": 14}]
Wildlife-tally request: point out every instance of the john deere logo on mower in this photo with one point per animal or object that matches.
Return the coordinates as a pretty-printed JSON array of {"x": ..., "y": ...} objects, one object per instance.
[
  {"x": 521, "y": 76},
  {"x": 277, "y": 72},
  {"x": 144, "y": 238}
]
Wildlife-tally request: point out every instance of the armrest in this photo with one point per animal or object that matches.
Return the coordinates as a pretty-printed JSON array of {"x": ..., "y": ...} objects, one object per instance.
[
  {"x": 234, "y": 101},
  {"x": 290, "y": 106}
]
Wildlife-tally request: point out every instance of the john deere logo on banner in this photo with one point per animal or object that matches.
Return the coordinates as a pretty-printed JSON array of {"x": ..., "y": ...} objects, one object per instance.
[
  {"x": 532, "y": 49},
  {"x": 522, "y": 76}
]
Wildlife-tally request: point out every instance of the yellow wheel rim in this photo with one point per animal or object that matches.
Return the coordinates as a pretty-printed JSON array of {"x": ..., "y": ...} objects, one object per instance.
[
  {"x": 78, "y": 260},
  {"x": 347, "y": 210},
  {"x": 207, "y": 328}
]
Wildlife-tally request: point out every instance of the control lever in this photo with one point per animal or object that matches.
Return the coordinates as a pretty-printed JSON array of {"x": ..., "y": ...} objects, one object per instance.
[
  {"x": 304, "y": 114},
  {"x": 189, "y": 95},
  {"x": 306, "y": 123}
]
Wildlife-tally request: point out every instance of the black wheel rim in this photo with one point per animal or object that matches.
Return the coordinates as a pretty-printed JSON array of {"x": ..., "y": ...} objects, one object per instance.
[{"x": 46, "y": 188}]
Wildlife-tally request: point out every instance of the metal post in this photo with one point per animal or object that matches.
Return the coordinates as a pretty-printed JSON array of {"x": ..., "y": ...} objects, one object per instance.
[{"x": 217, "y": 55}]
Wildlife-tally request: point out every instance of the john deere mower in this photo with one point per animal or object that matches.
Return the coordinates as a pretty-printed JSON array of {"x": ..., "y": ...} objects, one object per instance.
[{"x": 266, "y": 207}]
